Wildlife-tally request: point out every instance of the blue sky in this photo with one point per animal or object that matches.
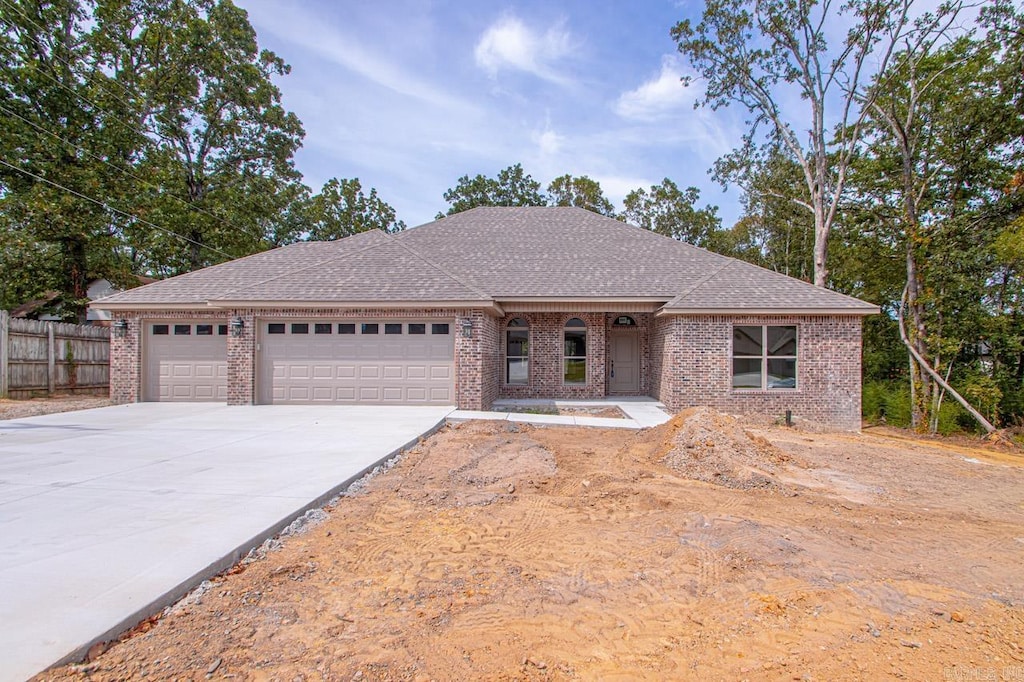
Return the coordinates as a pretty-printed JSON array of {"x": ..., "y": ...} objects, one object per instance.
[{"x": 409, "y": 96}]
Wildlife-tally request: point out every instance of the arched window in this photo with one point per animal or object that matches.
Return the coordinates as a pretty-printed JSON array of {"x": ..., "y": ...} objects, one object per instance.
[
  {"x": 574, "y": 361},
  {"x": 517, "y": 352}
]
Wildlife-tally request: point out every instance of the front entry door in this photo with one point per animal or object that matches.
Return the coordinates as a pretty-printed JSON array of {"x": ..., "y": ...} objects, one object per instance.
[{"x": 624, "y": 368}]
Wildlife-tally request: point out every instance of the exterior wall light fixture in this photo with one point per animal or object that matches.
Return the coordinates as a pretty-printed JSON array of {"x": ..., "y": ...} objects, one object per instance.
[
  {"x": 467, "y": 328},
  {"x": 120, "y": 328},
  {"x": 237, "y": 325}
]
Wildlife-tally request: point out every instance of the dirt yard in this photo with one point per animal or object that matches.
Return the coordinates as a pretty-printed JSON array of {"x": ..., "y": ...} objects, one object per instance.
[
  {"x": 16, "y": 409},
  {"x": 701, "y": 549}
]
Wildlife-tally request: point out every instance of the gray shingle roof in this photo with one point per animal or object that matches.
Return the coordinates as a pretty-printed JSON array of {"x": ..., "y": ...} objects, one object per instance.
[{"x": 496, "y": 254}]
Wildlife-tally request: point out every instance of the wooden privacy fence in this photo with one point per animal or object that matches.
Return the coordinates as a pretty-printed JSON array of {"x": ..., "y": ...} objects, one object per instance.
[{"x": 42, "y": 358}]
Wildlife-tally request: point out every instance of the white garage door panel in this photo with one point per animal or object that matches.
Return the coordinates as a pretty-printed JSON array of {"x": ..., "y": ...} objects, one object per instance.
[
  {"x": 352, "y": 368},
  {"x": 185, "y": 362}
]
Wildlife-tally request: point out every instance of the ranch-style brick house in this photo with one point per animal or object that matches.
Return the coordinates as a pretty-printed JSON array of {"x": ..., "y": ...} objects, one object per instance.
[{"x": 493, "y": 303}]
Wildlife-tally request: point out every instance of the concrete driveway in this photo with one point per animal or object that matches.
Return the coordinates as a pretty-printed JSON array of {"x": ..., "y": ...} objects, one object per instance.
[{"x": 109, "y": 514}]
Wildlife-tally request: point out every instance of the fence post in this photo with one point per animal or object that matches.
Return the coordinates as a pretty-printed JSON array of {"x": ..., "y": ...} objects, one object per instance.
[
  {"x": 5, "y": 353},
  {"x": 51, "y": 359}
]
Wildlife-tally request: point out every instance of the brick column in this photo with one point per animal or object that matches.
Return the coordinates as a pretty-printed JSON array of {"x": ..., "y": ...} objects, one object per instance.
[
  {"x": 242, "y": 359},
  {"x": 126, "y": 361}
]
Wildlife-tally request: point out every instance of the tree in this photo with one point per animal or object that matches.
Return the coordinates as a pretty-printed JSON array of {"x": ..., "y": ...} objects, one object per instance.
[
  {"x": 775, "y": 231},
  {"x": 935, "y": 159},
  {"x": 143, "y": 137},
  {"x": 53, "y": 138},
  {"x": 341, "y": 209},
  {"x": 581, "y": 192},
  {"x": 512, "y": 187},
  {"x": 670, "y": 211},
  {"x": 754, "y": 52},
  {"x": 224, "y": 144}
]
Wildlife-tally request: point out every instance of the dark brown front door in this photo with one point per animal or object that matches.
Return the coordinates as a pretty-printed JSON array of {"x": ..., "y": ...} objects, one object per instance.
[{"x": 624, "y": 364}]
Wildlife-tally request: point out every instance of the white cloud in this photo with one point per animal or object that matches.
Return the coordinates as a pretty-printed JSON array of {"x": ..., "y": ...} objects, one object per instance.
[
  {"x": 659, "y": 97},
  {"x": 317, "y": 34},
  {"x": 509, "y": 43}
]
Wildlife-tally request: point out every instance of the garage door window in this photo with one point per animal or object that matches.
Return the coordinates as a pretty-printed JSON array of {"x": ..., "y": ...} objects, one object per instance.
[
  {"x": 370, "y": 327},
  {"x": 300, "y": 328},
  {"x": 204, "y": 330},
  {"x": 222, "y": 330},
  {"x": 439, "y": 328},
  {"x": 182, "y": 330},
  {"x": 346, "y": 328},
  {"x": 160, "y": 329},
  {"x": 416, "y": 328},
  {"x": 275, "y": 328},
  {"x": 392, "y": 329},
  {"x": 322, "y": 328}
]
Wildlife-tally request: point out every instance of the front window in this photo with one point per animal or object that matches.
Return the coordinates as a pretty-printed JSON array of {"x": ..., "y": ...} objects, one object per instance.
[
  {"x": 764, "y": 356},
  {"x": 574, "y": 367},
  {"x": 517, "y": 352}
]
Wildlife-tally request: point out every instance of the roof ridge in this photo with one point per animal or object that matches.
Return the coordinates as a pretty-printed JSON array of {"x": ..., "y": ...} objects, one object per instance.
[
  {"x": 703, "y": 280},
  {"x": 471, "y": 287},
  {"x": 318, "y": 263},
  {"x": 776, "y": 273},
  {"x": 190, "y": 272}
]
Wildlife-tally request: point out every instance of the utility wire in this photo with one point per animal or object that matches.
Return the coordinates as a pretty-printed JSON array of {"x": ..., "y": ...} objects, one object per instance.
[
  {"x": 114, "y": 166},
  {"x": 65, "y": 62},
  {"x": 114, "y": 210},
  {"x": 128, "y": 126}
]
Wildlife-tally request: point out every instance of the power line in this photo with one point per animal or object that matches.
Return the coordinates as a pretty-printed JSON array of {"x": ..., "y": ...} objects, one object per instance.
[
  {"x": 110, "y": 208},
  {"x": 128, "y": 126},
  {"x": 66, "y": 63},
  {"x": 116, "y": 167}
]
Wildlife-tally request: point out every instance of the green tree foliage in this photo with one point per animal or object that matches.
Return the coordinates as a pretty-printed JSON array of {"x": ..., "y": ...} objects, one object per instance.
[
  {"x": 668, "y": 210},
  {"x": 53, "y": 136},
  {"x": 581, "y": 192},
  {"x": 201, "y": 86},
  {"x": 775, "y": 232},
  {"x": 512, "y": 187},
  {"x": 147, "y": 138},
  {"x": 935, "y": 160},
  {"x": 342, "y": 209}
]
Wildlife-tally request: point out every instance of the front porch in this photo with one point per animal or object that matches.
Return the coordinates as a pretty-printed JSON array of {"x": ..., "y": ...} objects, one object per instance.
[
  {"x": 573, "y": 355},
  {"x": 638, "y": 412}
]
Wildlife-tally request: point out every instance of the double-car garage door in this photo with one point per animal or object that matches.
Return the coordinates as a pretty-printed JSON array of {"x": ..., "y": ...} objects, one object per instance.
[{"x": 400, "y": 362}]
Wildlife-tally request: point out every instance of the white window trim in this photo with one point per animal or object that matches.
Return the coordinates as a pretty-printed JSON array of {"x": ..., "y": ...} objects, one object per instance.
[
  {"x": 584, "y": 358},
  {"x": 529, "y": 369},
  {"x": 764, "y": 357}
]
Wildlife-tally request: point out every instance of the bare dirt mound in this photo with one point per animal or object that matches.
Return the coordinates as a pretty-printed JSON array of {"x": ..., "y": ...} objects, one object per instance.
[
  {"x": 470, "y": 468},
  {"x": 614, "y": 566},
  {"x": 709, "y": 446}
]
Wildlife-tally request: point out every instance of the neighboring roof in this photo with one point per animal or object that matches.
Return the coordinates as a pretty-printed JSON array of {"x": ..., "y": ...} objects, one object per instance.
[
  {"x": 32, "y": 307},
  {"x": 496, "y": 255}
]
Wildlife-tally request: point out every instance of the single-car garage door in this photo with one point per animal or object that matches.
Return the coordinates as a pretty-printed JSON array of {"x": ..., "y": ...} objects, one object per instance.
[
  {"x": 361, "y": 361},
  {"x": 186, "y": 362}
]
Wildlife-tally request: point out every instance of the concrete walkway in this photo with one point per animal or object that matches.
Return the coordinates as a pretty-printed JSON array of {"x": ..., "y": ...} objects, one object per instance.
[
  {"x": 108, "y": 515},
  {"x": 641, "y": 413}
]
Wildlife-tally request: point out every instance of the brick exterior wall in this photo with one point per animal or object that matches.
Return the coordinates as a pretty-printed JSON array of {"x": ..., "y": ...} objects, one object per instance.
[
  {"x": 126, "y": 362},
  {"x": 476, "y": 358},
  {"x": 546, "y": 355},
  {"x": 476, "y": 361},
  {"x": 684, "y": 360},
  {"x": 692, "y": 365}
]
